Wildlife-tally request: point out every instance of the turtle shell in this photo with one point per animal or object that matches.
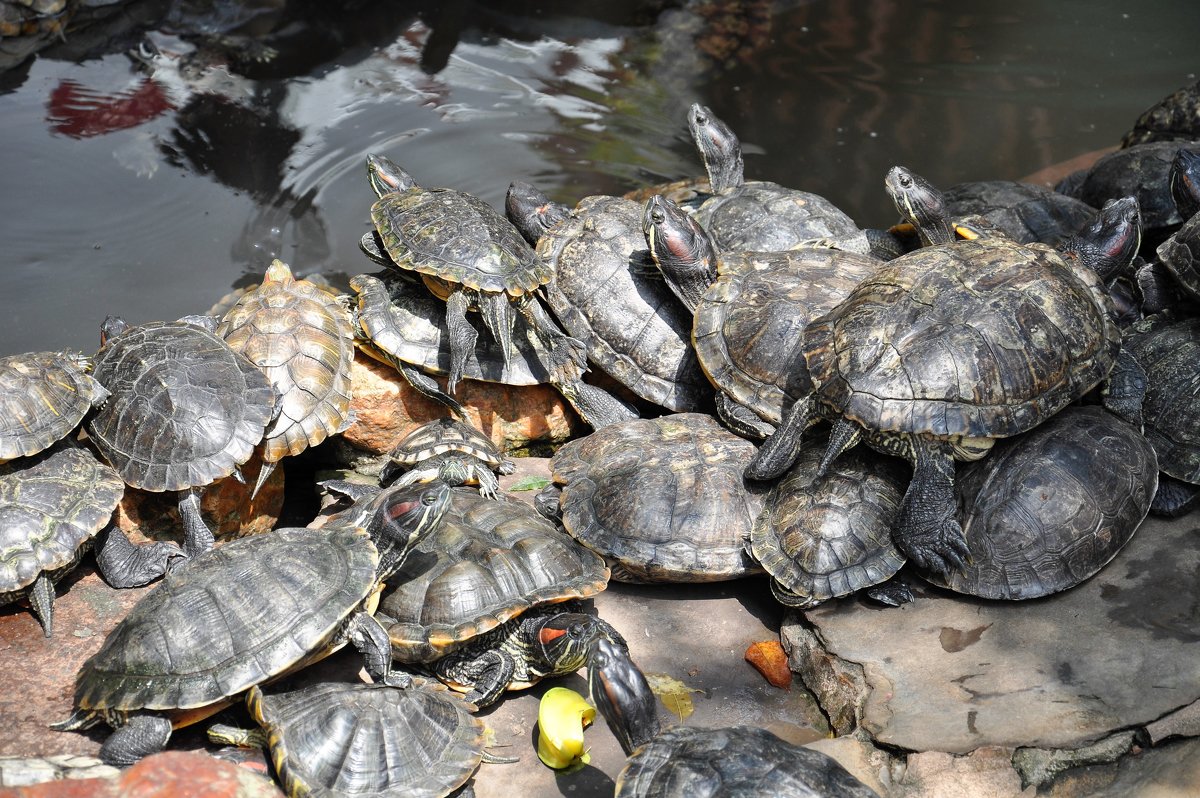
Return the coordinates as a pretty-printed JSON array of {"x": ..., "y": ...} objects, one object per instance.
[
  {"x": 43, "y": 397},
  {"x": 1176, "y": 116},
  {"x": 1141, "y": 171},
  {"x": 458, "y": 238},
  {"x": 370, "y": 739},
  {"x": 236, "y": 616},
  {"x": 733, "y": 761},
  {"x": 819, "y": 540},
  {"x": 1181, "y": 255},
  {"x": 1025, "y": 212},
  {"x": 49, "y": 508},
  {"x": 302, "y": 338},
  {"x": 487, "y": 562},
  {"x": 399, "y": 320},
  {"x": 1050, "y": 508},
  {"x": 1168, "y": 350},
  {"x": 445, "y": 435},
  {"x": 185, "y": 409},
  {"x": 750, "y": 319},
  {"x": 605, "y": 295},
  {"x": 980, "y": 339},
  {"x": 663, "y": 500},
  {"x": 760, "y": 216}
]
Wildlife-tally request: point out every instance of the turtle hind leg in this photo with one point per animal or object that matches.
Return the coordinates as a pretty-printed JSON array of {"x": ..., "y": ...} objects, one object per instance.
[
  {"x": 926, "y": 529},
  {"x": 427, "y": 386},
  {"x": 141, "y": 736},
  {"x": 596, "y": 406},
  {"x": 122, "y": 564},
  {"x": 740, "y": 419},
  {"x": 496, "y": 310},
  {"x": 41, "y": 601},
  {"x": 197, "y": 537},
  {"x": 780, "y": 450},
  {"x": 1174, "y": 497},
  {"x": 462, "y": 337},
  {"x": 565, "y": 357}
]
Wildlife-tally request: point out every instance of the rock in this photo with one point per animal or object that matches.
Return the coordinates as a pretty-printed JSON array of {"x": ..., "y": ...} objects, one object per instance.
[
  {"x": 870, "y": 765},
  {"x": 164, "y": 775},
  {"x": 1182, "y": 723},
  {"x": 386, "y": 408},
  {"x": 951, "y": 673},
  {"x": 18, "y": 771},
  {"x": 1038, "y": 766},
  {"x": 985, "y": 773},
  {"x": 1167, "y": 771}
]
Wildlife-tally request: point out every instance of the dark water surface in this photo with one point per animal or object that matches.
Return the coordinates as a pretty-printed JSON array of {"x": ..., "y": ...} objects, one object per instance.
[{"x": 150, "y": 196}]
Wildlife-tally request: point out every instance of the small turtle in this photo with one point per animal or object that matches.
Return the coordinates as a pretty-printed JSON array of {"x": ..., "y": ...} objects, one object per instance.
[
  {"x": 605, "y": 294},
  {"x": 51, "y": 506},
  {"x": 364, "y": 739},
  {"x": 756, "y": 215},
  {"x": 246, "y": 612},
  {"x": 1179, "y": 255},
  {"x": 662, "y": 500},
  {"x": 43, "y": 398},
  {"x": 185, "y": 410},
  {"x": 1025, "y": 212},
  {"x": 1176, "y": 116},
  {"x": 450, "y": 450},
  {"x": 735, "y": 762},
  {"x": 302, "y": 337},
  {"x": 1050, "y": 508}
]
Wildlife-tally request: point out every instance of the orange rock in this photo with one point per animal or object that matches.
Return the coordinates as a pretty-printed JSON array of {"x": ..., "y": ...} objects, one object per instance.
[
  {"x": 166, "y": 775},
  {"x": 386, "y": 408},
  {"x": 770, "y": 660}
]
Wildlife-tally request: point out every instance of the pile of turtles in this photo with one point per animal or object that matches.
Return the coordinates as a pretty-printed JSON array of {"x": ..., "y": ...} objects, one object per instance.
[{"x": 1032, "y": 356}]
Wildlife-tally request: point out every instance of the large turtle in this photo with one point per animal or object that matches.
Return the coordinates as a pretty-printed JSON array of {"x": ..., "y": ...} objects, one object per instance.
[
  {"x": 301, "y": 336},
  {"x": 1050, "y": 508},
  {"x": 951, "y": 347},
  {"x": 51, "y": 506},
  {"x": 43, "y": 397},
  {"x": 605, "y": 293},
  {"x": 245, "y": 613},
  {"x": 681, "y": 762},
  {"x": 450, "y": 450},
  {"x": 185, "y": 410},
  {"x": 663, "y": 500}
]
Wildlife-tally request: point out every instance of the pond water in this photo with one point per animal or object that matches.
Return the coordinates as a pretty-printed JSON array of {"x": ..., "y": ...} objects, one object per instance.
[{"x": 151, "y": 194}]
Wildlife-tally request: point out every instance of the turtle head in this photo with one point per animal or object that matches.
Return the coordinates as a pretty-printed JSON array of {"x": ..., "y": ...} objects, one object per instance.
[
  {"x": 531, "y": 211},
  {"x": 920, "y": 204},
  {"x": 621, "y": 693},
  {"x": 719, "y": 148},
  {"x": 1184, "y": 179},
  {"x": 680, "y": 248},
  {"x": 402, "y": 517},
  {"x": 386, "y": 177},
  {"x": 1109, "y": 242},
  {"x": 111, "y": 328}
]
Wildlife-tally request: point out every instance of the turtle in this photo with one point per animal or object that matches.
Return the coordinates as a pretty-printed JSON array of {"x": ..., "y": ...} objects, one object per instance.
[
  {"x": 43, "y": 397},
  {"x": 343, "y": 739},
  {"x": 471, "y": 256},
  {"x": 735, "y": 761},
  {"x": 1025, "y": 212},
  {"x": 51, "y": 506},
  {"x": 302, "y": 337},
  {"x": 756, "y": 215},
  {"x": 1168, "y": 348},
  {"x": 1176, "y": 116},
  {"x": 450, "y": 450},
  {"x": 605, "y": 293},
  {"x": 662, "y": 500},
  {"x": 749, "y": 309},
  {"x": 822, "y": 539},
  {"x": 1050, "y": 508},
  {"x": 244, "y": 613},
  {"x": 185, "y": 410},
  {"x": 1179, "y": 255},
  {"x": 951, "y": 347}
]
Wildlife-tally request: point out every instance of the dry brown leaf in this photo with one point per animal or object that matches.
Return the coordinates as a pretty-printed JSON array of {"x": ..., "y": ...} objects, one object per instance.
[{"x": 769, "y": 659}]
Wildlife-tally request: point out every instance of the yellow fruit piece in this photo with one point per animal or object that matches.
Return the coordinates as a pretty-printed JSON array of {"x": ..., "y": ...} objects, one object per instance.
[{"x": 562, "y": 716}]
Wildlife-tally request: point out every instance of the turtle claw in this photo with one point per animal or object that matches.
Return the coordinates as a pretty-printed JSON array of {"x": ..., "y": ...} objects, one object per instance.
[{"x": 941, "y": 550}]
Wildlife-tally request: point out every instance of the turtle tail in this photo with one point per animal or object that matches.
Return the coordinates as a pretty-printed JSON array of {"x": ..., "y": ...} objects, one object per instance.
[
  {"x": 264, "y": 473},
  {"x": 843, "y": 436},
  {"x": 80, "y": 719}
]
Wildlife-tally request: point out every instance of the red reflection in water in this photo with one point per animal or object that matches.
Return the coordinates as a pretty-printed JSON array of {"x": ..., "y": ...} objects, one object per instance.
[{"x": 79, "y": 112}]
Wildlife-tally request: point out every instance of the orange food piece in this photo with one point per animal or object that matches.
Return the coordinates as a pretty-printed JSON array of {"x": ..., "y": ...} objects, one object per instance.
[{"x": 770, "y": 660}]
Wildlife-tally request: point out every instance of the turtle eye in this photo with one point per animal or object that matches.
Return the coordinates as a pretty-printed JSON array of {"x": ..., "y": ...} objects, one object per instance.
[
  {"x": 578, "y": 630},
  {"x": 906, "y": 181},
  {"x": 701, "y": 119},
  {"x": 657, "y": 216}
]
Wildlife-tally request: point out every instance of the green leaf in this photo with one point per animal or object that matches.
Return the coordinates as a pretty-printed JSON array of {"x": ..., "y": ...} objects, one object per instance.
[
  {"x": 530, "y": 483},
  {"x": 675, "y": 695}
]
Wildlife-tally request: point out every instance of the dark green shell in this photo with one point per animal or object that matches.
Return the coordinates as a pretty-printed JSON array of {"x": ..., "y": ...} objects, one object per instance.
[
  {"x": 765, "y": 217},
  {"x": 1181, "y": 255},
  {"x": 1169, "y": 352},
  {"x": 1050, "y": 508},
  {"x": 1176, "y": 116},
  {"x": 1140, "y": 171},
  {"x": 185, "y": 409},
  {"x": 1025, "y": 212},
  {"x": 43, "y": 397}
]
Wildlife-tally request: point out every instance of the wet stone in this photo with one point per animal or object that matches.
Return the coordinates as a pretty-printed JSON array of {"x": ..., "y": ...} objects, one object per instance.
[{"x": 166, "y": 775}]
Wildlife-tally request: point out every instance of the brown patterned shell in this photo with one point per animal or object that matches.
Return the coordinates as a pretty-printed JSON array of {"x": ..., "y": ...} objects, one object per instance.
[
  {"x": 761, "y": 216},
  {"x": 979, "y": 338},
  {"x": 663, "y": 500},
  {"x": 43, "y": 396},
  {"x": 488, "y": 561},
  {"x": 749, "y": 322},
  {"x": 302, "y": 338},
  {"x": 445, "y": 435}
]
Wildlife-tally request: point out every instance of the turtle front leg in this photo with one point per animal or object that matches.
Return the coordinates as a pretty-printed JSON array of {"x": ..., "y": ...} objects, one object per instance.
[
  {"x": 596, "y": 406},
  {"x": 462, "y": 337},
  {"x": 565, "y": 357},
  {"x": 122, "y": 564},
  {"x": 492, "y": 673},
  {"x": 197, "y": 537},
  {"x": 141, "y": 736},
  {"x": 489, "y": 485},
  {"x": 926, "y": 529},
  {"x": 367, "y": 635},
  {"x": 41, "y": 601}
]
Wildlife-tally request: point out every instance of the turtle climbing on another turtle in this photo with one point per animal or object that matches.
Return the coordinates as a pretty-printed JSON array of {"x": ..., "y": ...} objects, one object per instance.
[
  {"x": 43, "y": 397},
  {"x": 450, "y": 450}
]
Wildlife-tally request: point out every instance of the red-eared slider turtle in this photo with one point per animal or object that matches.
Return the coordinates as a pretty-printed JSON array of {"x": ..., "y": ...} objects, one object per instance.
[
  {"x": 471, "y": 256},
  {"x": 1176, "y": 116},
  {"x": 951, "y": 347},
  {"x": 732, "y": 762},
  {"x": 753, "y": 214},
  {"x": 43, "y": 397},
  {"x": 1050, "y": 508},
  {"x": 1168, "y": 349},
  {"x": 450, "y": 450},
  {"x": 185, "y": 410},
  {"x": 51, "y": 506},
  {"x": 1025, "y": 212},
  {"x": 302, "y": 337},
  {"x": 244, "y": 613},
  {"x": 1184, "y": 182},
  {"x": 830, "y": 537},
  {"x": 662, "y": 500},
  {"x": 333, "y": 740},
  {"x": 1179, "y": 255},
  {"x": 605, "y": 294}
]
